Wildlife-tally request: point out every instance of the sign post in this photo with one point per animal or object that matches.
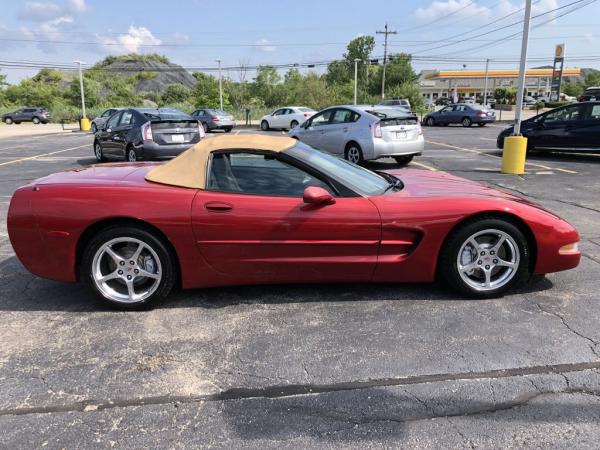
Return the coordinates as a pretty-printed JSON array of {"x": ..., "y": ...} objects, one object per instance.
[{"x": 557, "y": 72}]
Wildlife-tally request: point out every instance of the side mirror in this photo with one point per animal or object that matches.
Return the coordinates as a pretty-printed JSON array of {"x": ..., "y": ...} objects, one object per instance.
[{"x": 314, "y": 195}]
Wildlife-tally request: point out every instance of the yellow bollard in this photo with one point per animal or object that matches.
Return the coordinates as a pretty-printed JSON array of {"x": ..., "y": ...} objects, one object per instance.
[
  {"x": 84, "y": 124},
  {"x": 513, "y": 155}
]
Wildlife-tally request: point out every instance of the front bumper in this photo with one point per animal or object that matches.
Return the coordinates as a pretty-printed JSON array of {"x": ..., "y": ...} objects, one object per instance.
[{"x": 382, "y": 149}]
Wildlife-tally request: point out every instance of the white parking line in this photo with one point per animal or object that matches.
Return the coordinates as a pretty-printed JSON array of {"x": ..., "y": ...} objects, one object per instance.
[{"x": 43, "y": 154}]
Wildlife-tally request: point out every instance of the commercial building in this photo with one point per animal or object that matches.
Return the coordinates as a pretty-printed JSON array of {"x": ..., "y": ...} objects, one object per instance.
[{"x": 471, "y": 83}]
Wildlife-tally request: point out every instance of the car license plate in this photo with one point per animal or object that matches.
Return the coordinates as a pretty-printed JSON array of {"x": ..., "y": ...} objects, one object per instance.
[
  {"x": 177, "y": 138},
  {"x": 400, "y": 134}
]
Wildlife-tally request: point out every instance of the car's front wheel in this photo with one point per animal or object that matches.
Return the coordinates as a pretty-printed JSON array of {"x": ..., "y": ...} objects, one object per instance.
[
  {"x": 132, "y": 155},
  {"x": 8, "y": 120},
  {"x": 404, "y": 159},
  {"x": 293, "y": 124},
  {"x": 485, "y": 257},
  {"x": 430, "y": 122},
  {"x": 205, "y": 127},
  {"x": 354, "y": 153},
  {"x": 36, "y": 121},
  {"x": 128, "y": 267},
  {"x": 98, "y": 152},
  {"x": 264, "y": 125}
]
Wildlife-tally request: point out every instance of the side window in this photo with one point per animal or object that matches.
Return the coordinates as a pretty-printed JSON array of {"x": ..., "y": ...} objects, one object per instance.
[
  {"x": 107, "y": 113},
  {"x": 322, "y": 118},
  {"x": 344, "y": 116},
  {"x": 126, "y": 118},
  {"x": 113, "y": 121},
  {"x": 564, "y": 114},
  {"x": 259, "y": 174},
  {"x": 278, "y": 112},
  {"x": 595, "y": 112}
]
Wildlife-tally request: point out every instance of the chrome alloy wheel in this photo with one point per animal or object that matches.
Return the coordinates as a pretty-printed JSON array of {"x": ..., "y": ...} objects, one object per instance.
[
  {"x": 488, "y": 259},
  {"x": 126, "y": 270},
  {"x": 354, "y": 154},
  {"x": 98, "y": 151}
]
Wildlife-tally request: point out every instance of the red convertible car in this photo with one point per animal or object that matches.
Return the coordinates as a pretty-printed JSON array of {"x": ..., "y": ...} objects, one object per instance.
[{"x": 237, "y": 210}]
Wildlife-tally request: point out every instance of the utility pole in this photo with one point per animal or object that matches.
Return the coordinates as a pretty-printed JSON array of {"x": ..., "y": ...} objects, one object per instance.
[
  {"x": 487, "y": 67},
  {"x": 386, "y": 32},
  {"x": 522, "y": 67},
  {"x": 356, "y": 60},
  {"x": 81, "y": 88},
  {"x": 220, "y": 85}
]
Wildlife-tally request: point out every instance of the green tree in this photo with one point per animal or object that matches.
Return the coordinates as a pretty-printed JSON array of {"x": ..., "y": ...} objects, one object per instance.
[
  {"x": 343, "y": 71},
  {"x": 175, "y": 93},
  {"x": 592, "y": 78},
  {"x": 206, "y": 92},
  {"x": 575, "y": 89},
  {"x": 398, "y": 71},
  {"x": 267, "y": 86},
  {"x": 410, "y": 91}
]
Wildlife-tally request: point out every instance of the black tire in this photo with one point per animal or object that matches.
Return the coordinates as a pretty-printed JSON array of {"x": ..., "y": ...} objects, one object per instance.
[
  {"x": 430, "y": 122},
  {"x": 168, "y": 272},
  {"x": 404, "y": 159},
  {"x": 293, "y": 124},
  {"x": 466, "y": 122},
  {"x": 448, "y": 261},
  {"x": 205, "y": 127},
  {"x": 264, "y": 125},
  {"x": 94, "y": 128},
  {"x": 36, "y": 120},
  {"x": 98, "y": 152},
  {"x": 228, "y": 129},
  {"x": 8, "y": 120},
  {"x": 131, "y": 155},
  {"x": 481, "y": 124},
  {"x": 353, "y": 153},
  {"x": 17, "y": 122}
]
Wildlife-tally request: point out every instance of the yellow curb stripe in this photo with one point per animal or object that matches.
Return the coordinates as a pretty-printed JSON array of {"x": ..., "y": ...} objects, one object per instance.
[
  {"x": 424, "y": 166},
  {"x": 42, "y": 155}
]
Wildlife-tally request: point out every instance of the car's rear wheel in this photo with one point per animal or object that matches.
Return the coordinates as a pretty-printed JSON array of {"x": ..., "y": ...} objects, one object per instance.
[
  {"x": 354, "y": 153},
  {"x": 98, "y": 152},
  {"x": 293, "y": 124},
  {"x": 132, "y": 155},
  {"x": 8, "y": 120},
  {"x": 485, "y": 257},
  {"x": 264, "y": 125},
  {"x": 128, "y": 267},
  {"x": 228, "y": 129},
  {"x": 205, "y": 127},
  {"x": 466, "y": 122},
  {"x": 404, "y": 159},
  {"x": 36, "y": 120},
  {"x": 430, "y": 122}
]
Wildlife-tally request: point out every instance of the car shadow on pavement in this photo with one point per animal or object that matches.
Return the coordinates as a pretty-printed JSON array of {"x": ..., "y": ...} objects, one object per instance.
[{"x": 21, "y": 291}]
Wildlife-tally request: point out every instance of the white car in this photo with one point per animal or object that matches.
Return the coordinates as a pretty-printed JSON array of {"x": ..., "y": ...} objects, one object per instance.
[
  {"x": 363, "y": 132},
  {"x": 286, "y": 118}
]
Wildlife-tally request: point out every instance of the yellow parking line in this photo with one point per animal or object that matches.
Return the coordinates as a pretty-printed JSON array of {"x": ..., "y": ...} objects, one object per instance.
[
  {"x": 425, "y": 166},
  {"x": 454, "y": 147},
  {"x": 237, "y": 132},
  {"x": 42, "y": 155}
]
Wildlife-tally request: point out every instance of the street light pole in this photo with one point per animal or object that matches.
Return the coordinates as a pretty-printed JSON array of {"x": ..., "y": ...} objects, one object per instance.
[
  {"x": 522, "y": 68},
  {"x": 220, "y": 85},
  {"x": 81, "y": 88},
  {"x": 356, "y": 60},
  {"x": 487, "y": 66}
]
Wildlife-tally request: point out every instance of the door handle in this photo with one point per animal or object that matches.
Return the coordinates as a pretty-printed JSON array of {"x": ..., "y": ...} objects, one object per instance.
[
  {"x": 218, "y": 206},
  {"x": 345, "y": 129}
]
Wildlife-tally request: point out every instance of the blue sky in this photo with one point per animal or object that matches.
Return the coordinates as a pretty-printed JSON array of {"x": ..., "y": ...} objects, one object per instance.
[{"x": 196, "y": 32}]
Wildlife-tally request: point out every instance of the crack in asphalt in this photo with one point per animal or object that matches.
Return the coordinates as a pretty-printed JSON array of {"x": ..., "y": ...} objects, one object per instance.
[
  {"x": 282, "y": 391},
  {"x": 593, "y": 342}
]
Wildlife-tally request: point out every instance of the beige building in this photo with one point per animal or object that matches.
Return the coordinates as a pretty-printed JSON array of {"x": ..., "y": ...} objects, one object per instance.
[{"x": 470, "y": 83}]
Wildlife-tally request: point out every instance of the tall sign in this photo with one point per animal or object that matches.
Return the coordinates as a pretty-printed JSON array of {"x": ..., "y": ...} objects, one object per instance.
[{"x": 557, "y": 72}]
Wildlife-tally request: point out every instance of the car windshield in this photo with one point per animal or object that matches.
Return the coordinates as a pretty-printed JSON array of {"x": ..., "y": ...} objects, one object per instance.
[
  {"x": 220, "y": 112},
  {"x": 358, "y": 179}
]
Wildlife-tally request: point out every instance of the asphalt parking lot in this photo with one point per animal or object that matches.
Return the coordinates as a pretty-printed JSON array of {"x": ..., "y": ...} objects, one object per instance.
[{"x": 351, "y": 366}]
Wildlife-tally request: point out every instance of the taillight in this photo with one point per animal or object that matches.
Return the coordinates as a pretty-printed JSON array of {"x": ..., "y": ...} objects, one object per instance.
[
  {"x": 147, "y": 131},
  {"x": 201, "y": 131},
  {"x": 215, "y": 118},
  {"x": 482, "y": 113},
  {"x": 306, "y": 114},
  {"x": 377, "y": 130}
]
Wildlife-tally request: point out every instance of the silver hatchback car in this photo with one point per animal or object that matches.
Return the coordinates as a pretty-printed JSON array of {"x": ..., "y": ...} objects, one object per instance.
[{"x": 363, "y": 132}]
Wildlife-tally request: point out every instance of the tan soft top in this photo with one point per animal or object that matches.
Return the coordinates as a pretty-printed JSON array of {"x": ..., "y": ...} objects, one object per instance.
[{"x": 189, "y": 168}]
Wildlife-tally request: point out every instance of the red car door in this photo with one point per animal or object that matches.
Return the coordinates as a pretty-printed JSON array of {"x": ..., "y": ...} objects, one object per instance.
[{"x": 255, "y": 228}]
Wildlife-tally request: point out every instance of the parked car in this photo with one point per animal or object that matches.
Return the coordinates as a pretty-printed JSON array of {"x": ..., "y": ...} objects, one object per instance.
[
  {"x": 467, "y": 100},
  {"x": 543, "y": 98},
  {"x": 591, "y": 94},
  {"x": 98, "y": 122},
  {"x": 461, "y": 113},
  {"x": 134, "y": 134},
  {"x": 574, "y": 127},
  {"x": 286, "y": 118},
  {"x": 443, "y": 101},
  {"x": 35, "y": 115},
  {"x": 396, "y": 102},
  {"x": 214, "y": 119},
  {"x": 360, "y": 133},
  {"x": 528, "y": 100},
  {"x": 219, "y": 215},
  {"x": 490, "y": 100}
]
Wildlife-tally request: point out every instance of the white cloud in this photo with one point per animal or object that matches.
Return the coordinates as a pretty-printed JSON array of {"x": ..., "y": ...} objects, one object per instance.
[
  {"x": 265, "y": 45},
  {"x": 131, "y": 42},
  {"x": 78, "y": 6},
  {"x": 543, "y": 6},
  {"x": 181, "y": 38},
  {"x": 438, "y": 9},
  {"x": 40, "y": 11}
]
